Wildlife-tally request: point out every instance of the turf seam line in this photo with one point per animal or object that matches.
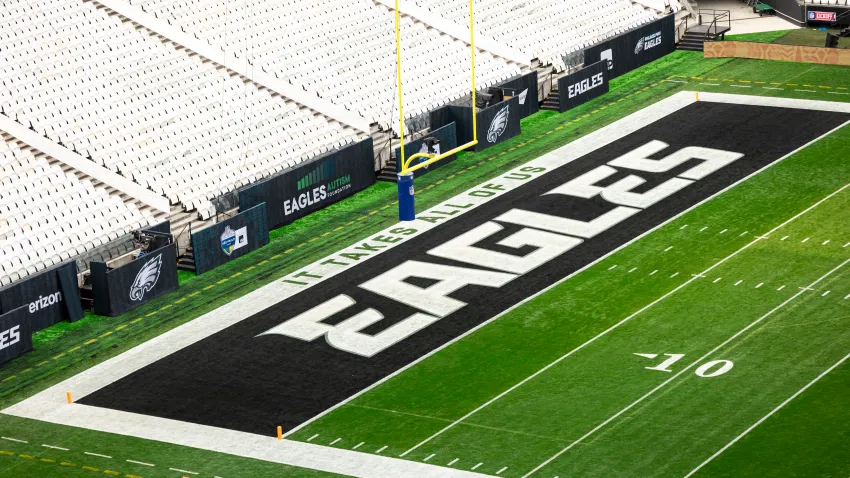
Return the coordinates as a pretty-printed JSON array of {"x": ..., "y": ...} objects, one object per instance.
[
  {"x": 628, "y": 318},
  {"x": 760, "y": 421},
  {"x": 686, "y": 369}
]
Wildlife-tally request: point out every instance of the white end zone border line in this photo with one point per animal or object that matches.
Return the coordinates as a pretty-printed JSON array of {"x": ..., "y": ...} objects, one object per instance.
[{"x": 49, "y": 405}]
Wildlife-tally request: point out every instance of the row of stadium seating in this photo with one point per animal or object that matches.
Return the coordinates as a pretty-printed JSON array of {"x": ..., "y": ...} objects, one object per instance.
[
  {"x": 546, "y": 29},
  {"x": 341, "y": 51},
  {"x": 141, "y": 107},
  {"x": 48, "y": 216}
]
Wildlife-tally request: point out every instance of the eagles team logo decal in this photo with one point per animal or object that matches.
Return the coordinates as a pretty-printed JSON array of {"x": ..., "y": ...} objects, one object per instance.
[
  {"x": 522, "y": 96},
  {"x": 147, "y": 278},
  {"x": 499, "y": 125},
  {"x": 639, "y": 46},
  {"x": 228, "y": 240}
]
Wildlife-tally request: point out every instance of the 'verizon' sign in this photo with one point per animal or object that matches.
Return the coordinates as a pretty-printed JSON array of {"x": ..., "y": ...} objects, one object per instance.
[{"x": 385, "y": 302}]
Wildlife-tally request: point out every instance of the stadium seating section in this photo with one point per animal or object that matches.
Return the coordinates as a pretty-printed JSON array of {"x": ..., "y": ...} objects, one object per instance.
[
  {"x": 546, "y": 29},
  {"x": 48, "y": 216},
  {"x": 342, "y": 51}
]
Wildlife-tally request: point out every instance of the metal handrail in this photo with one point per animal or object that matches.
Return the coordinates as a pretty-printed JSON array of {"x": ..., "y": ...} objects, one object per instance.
[{"x": 679, "y": 32}]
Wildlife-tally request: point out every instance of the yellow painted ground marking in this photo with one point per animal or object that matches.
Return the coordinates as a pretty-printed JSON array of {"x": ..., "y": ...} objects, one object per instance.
[
  {"x": 74, "y": 349},
  {"x": 328, "y": 233},
  {"x": 4, "y": 452},
  {"x": 30, "y": 370},
  {"x": 65, "y": 463},
  {"x": 841, "y": 88},
  {"x": 288, "y": 251},
  {"x": 110, "y": 472},
  {"x": 154, "y": 312},
  {"x": 193, "y": 294},
  {"x": 372, "y": 213},
  {"x": 339, "y": 228},
  {"x": 90, "y": 468},
  {"x": 209, "y": 287},
  {"x": 301, "y": 245},
  {"x": 166, "y": 307},
  {"x": 222, "y": 281},
  {"x": 46, "y": 362},
  {"x": 386, "y": 206},
  {"x": 120, "y": 327},
  {"x": 47, "y": 460},
  {"x": 277, "y": 256},
  {"x": 249, "y": 268},
  {"x": 759, "y": 82},
  {"x": 744, "y": 81},
  {"x": 362, "y": 218},
  {"x": 825, "y": 87},
  {"x": 107, "y": 334},
  {"x": 58, "y": 356},
  {"x": 237, "y": 274},
  {"x": 28, "y": 457},
  {"x": 349, "y": 223},
  {"x": 10, "y": 377},
  {"x": 180, "y": 300},
  {"x": 792, "y": 84},
  {"x": 137, "y": 320},
  {"x": 809, "y": 86},
  {"x": 265, "y": 261}
]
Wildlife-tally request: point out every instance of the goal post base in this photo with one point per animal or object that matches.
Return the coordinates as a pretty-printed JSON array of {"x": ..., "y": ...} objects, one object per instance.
[{"x": 406, "y": 208}]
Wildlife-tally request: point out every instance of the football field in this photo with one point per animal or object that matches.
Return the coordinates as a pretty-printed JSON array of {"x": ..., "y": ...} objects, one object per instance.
[{"x": 645, "y": 301}]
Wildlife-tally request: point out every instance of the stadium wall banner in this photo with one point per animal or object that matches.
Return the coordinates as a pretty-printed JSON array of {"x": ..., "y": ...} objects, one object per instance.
[
  {"x": 523, "y": 87},
  {"x": 496, "y": 123},
  {"x": 163, "y": 227},
  {"x": 15, "y": 334},
  {"x": 582, "y": 86},
  {"x": 770, "y": 51},
  {"x": 448, "y": 141},
  {"x": 313, "y": 185},
  {"x": 124, "y": 288},
  {"x": 50, "y": 297},
  {"x": 231, "y": 238},
  {"x": 635, "y": 48}
]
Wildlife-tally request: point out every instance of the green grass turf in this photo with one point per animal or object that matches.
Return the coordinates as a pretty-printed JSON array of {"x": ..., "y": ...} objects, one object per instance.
[
  {"x": 761, "y": 37},
  {"x": 56, "y": 358},
  {"x": 809, "y": 37}
]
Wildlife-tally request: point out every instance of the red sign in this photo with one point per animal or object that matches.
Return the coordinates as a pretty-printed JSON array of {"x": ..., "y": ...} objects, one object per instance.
[{"x": 821, "y": 16}]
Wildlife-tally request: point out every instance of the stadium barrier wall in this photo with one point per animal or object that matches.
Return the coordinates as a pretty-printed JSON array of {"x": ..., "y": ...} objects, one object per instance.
[
  {"x": 496, "y": 123},
  {"x": 313, "y": 185},
  {"x": 230, "y": 239},
  {"x": 163, "y": 227},
  {"x": 771, "y": 51},
  {"x": 50, "y": 297},
  {"x": 525, "y": 88},
  {"x": 15, "y": 334},
  {"x": 582, "y": 86},
  {"x": 790, "y": 9},
  {"x": 145, "y": 278},
  {"x": 448, "y": 141},
  {"x": 636, "y": 47}
]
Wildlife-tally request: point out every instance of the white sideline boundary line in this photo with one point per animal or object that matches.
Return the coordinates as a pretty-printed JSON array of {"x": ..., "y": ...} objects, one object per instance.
[
  {"x": 50, "y": 405},
  {"x": 686, "y": 369},
  {"x": 770, "y": 414},
  {"x": 618, "y": 324}
]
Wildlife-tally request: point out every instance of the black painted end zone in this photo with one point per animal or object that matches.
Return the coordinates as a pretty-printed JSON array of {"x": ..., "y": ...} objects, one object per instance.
[{"x": 236, "y": 380}]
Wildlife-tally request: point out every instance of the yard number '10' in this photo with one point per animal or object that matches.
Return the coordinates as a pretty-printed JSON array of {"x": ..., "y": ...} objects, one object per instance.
[{"x": 706, "y": 370}]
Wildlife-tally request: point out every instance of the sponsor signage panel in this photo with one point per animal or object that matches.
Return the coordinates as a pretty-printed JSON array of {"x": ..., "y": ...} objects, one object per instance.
[
  {"x": 50, "y": 296},
  {"x": 124, "y": 288},
  {"x": 524, "y": 87},
  {"x": 231, "y": 238},
  {"x": 15, "y": 334},
  {"x": 298, "y": 358},
  {"x": 312, "y": 185},
  {"x": 582, "y": 86},
  {"x": 635, "y": 48},
  {"x": 496, "y": 123},
  {"x": 447, "y": 135},
  {"x": 816, "y": 16}
]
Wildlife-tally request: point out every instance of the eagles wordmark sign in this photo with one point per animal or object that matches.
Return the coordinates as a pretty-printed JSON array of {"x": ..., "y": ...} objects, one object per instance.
[
  {"x": 635, "y": 48},
  {"x": 582, "y": 86},
  {"x": 15, "y": 334}
]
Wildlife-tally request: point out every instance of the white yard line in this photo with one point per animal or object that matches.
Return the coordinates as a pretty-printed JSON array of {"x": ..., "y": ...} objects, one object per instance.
[
  {"x": 760, "y": 421},
  {"x": 140, "y": 463},
  {"x": 684, "y": 370},
  {"x": 178, "y": 470},
  {"x": 96, "y": 454},
  {"x": 54, "y": 447},
  {"x": 620, "y": 323},
  {"x": 14, "y": 439}
]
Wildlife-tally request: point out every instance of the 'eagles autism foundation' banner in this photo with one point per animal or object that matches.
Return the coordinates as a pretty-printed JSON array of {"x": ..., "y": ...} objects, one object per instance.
[
  {"x": 635, "y": 48},
  {"x": 582, "y": 86},
  {"x": 496, "y": 123},
  {"x": 50, "y": 297},
  {"x": 313, "y": 185},
  {"x": 230, "y": 238},
  {"x": 118, "y": 290},
  {"x": 15, "y": 334}
]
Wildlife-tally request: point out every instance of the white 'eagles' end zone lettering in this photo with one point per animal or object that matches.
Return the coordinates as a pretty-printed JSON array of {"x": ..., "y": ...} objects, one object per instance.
[{"x": 551, "y": 235}]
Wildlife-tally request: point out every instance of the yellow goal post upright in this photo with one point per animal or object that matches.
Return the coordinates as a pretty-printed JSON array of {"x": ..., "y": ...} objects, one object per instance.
[{"x": 406, "y": 209}]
